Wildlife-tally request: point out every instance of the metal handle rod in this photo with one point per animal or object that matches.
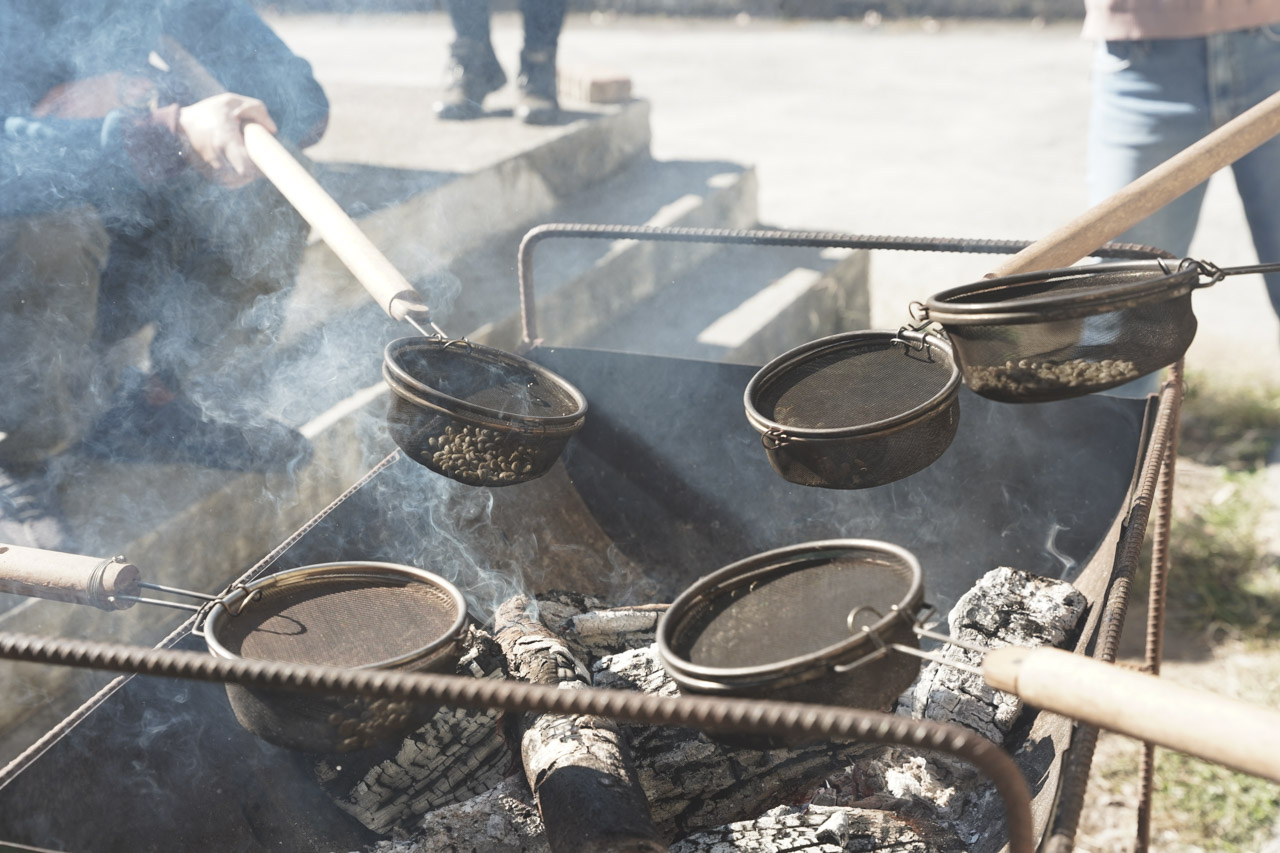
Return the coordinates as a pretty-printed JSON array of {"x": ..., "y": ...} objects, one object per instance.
[{"x": 715, "y": 714}]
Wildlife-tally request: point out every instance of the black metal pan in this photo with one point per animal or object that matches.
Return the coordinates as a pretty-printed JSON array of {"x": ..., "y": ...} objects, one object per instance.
[
  {"x": 1062, "y": 333},
  {"x": 358, "y": 615}
]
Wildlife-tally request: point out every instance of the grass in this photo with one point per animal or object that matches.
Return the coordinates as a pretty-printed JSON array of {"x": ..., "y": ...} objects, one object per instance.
[
  {"x": 1196, "y": 805},
  {"x": 1225, "y": 585},
  {"x": 1222, "y": 579},
  {"x": 1231, "y": 427}
]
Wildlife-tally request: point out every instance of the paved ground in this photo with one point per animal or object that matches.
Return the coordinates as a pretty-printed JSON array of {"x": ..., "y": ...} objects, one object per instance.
[{"x": 920, "y": 128}]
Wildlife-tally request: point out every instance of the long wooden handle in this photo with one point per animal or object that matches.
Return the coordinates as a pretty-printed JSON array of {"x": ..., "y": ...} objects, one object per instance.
[
  {"x": 1188, "y": 168},
  {"x": 1226, "y": 731},
  {"x": 391, "y": 290},
  {"x": 388, "y": 287},
  {"x": 67, "y": 577}
]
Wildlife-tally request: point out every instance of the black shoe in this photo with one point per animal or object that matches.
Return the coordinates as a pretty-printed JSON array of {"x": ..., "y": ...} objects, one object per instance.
[
  {"x": 30, "y": 514},
  {"x": 538, "y": 103},
  {"x": 153, "y": 423},
  {"x": 473, "y": 73}
]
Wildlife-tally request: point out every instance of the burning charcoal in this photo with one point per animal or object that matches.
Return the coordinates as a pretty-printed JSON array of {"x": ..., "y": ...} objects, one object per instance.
[
  {"x": 501, "y": 820},
  {"x": 1031, "y": 377}
]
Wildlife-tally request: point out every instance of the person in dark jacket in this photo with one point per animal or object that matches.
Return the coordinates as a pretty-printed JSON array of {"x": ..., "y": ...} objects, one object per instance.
[{"x": 129, "y": 207}]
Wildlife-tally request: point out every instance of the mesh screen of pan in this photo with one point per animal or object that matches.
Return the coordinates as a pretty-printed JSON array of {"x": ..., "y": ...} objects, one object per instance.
[
  {"x": 510, "y": 388},
  {"x": 791, "y": 611},
  {"x": 854, "y": 386},
  {"x": 340, "y": 621}
]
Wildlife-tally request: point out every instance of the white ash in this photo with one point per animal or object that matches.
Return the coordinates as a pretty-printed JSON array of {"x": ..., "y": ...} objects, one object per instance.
[
  {"x": 820, "y": 829},
  {"x": 501, "y": 820},
  {"x": 1005, "y": 607}
]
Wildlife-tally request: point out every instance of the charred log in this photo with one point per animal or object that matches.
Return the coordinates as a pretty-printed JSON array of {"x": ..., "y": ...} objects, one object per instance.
[
  {"x": 453, "y": 757},
  {"x": 578, "y": 767},
  {"x": 704, "y": 791}
]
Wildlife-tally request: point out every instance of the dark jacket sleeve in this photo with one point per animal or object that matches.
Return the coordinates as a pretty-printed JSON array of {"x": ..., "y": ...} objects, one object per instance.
[
  {"x": 51, "y": 163},
  {"x": 237, "y": 47}
]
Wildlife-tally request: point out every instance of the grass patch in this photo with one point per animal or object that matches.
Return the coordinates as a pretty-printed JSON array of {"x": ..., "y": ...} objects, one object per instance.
[
  {"x": 1207, "y": 807},
  {"x": 1233, "y": 427},
  {"x": 1196, "y": 805},
  {"x": 1222, "y": 576}
]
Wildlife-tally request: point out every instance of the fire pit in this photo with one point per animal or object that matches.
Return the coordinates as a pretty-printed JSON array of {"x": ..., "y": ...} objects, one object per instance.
[{"x": 154, "y": 764}]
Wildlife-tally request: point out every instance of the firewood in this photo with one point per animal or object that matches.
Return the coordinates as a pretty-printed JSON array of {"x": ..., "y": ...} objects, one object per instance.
[
  {"x": 578, "y": 766},
  {"x": 454, "y": 756},
  {"x": 501, "y": 820}
]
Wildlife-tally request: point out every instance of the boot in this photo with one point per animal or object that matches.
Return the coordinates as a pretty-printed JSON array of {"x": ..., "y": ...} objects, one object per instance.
[
  {"x": 537, "y": 81},
  {"x": 472, "y": 73}
]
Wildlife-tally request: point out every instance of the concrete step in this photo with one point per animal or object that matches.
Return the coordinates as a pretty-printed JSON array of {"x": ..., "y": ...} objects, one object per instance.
[
  {"x": 423, "y": 218},
  {"x": 581, "y": 284},
  {"x": 747, "y": 304}
]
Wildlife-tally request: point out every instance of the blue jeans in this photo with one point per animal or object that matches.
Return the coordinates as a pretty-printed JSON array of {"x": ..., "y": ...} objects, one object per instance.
[{"x": 1152, "y": 99}]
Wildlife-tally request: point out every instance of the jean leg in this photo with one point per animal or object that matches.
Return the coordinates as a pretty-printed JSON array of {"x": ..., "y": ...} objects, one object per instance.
[
  {"x": 49, "y": 273},
  {"x": 470, "y": 19},
  {"x": 1150, "y": 101},
  {"x": 1254, "y": 76},
  {"x": 543, "y": 20}
]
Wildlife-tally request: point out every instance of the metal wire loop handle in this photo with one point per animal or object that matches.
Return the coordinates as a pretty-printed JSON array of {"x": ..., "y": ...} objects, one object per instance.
[
  {"x": 774, "y": 438},
  {"x": 448, "y": 342},
  {"x": 1208, "y": 269},
  {"x": 917, "y": 627}
]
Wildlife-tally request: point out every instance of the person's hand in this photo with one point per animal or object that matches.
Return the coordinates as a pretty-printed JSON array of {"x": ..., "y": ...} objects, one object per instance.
[{"x": 213, "y": 137}]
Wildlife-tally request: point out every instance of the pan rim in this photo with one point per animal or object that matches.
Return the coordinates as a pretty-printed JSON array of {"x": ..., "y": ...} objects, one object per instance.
[
  {"x": 804, "y": 352},
  {"x": 1164, "y": 284},
  {"x": 417, "y": 392},
  {"x": 788, "y": 670},
  {"x": 221, "y": 608}
]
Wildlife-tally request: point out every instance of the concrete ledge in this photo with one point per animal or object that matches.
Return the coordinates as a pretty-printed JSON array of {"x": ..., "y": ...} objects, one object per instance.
[
  {"x": 801, "y": 308},
  {"x": 444, "y": 216},
  {"x": 748, "y": 304}
]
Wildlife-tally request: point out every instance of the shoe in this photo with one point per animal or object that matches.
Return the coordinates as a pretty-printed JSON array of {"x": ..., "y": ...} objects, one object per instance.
[
  {"x": 30, "y": 514},
  {"x": 473, "y": 73},
  {"x": 537, "y": 103},
  {"x": 154, "y": 423}
]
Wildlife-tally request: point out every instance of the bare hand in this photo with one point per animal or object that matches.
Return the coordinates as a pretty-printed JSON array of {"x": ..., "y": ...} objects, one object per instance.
[{"x": 213, "y": 131}]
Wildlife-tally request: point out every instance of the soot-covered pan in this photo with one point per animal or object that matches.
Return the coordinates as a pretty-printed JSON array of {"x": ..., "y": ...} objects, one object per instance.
[
  {"x": 833, "y": 622},
  {"x": 360, "y": 615},
  {"x": 1062, "y": 333}
]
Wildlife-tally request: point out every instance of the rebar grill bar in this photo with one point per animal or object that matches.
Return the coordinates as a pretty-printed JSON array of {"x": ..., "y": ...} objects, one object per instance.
[
  {"x": 789, "y": 719},
  {"x": 770, "y": 237}
]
